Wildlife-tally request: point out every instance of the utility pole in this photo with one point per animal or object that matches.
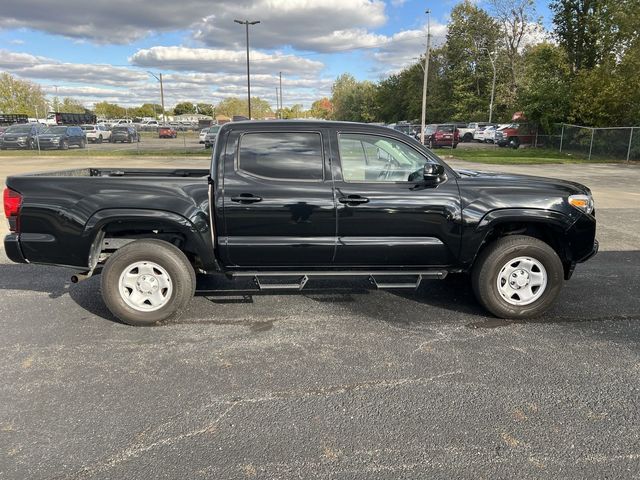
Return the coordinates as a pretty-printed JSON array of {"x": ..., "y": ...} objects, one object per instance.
[
  {"x": 425, "y": 79},
  {"x": 277, "y": 104},
  {"x": 159, "y": 79},
  {"x": 281, "y": 107},
  {"x": 246, "y": 23},
  {"x": 492, "y": 57}
]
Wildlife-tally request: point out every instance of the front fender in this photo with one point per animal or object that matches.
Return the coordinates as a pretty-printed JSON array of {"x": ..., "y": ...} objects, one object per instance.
[{"x": 476, "y": 234}]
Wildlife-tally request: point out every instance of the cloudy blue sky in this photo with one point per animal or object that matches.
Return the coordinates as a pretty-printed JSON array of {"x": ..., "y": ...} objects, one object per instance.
[{"x": 101, "y": 50}]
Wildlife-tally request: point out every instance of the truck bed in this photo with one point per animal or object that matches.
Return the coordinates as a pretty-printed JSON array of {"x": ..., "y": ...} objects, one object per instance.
[{"x": 125, "y": 172}]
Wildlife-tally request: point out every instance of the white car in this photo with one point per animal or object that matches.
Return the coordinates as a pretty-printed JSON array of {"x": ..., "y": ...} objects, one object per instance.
[
  {"x": 490, "y": 136},
  {"x": 97, "y": 133},
  {"x": 203, "y": 134}
]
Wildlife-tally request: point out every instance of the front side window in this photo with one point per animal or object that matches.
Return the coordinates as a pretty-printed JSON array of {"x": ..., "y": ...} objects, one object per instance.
[
  {"x": 373, "y": 158},
  {"x": 282, "y": 155}
]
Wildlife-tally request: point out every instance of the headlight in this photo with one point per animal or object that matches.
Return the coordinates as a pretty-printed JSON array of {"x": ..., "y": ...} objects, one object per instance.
[
  {"x": 582, "y": 202},
  {"x": 22, "y": 139},
  {"x": 55, "y": 140}
]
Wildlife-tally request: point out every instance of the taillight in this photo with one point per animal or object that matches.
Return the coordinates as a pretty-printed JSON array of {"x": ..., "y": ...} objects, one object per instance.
[{"x": 12, "y": 203}]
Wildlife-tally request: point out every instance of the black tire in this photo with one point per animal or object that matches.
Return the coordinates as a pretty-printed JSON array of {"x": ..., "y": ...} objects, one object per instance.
[
  {"x": 455, "y": 145},
  {"x": 64, "y": 145},
  {"x": 484, "y": 276},
  {"x": 467, "y": 137},
  {"x": 82, "y": 144},
  {"x": 100, "y": 139},
  {"x": 32, "y": 145},
  {"x": 431, "y": 144},
  {"x": 129, "y": 139},
  {"x": 166, "y": 255},
  {"x": 514, "y": 142}
]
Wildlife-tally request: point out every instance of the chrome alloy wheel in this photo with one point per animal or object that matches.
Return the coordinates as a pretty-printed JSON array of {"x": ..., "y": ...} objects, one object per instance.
[
  {"x": 145, "y": 286},
  {"x": 522, "y": 281}
]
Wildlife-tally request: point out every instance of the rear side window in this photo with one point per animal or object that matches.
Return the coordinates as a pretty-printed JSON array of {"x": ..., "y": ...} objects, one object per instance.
[{"x": 282, "y": 155}]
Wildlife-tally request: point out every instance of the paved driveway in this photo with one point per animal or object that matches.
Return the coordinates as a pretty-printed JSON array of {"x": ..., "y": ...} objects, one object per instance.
[{"x": 341, "y": 383}]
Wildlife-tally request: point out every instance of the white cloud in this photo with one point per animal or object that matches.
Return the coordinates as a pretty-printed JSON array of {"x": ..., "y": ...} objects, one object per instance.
[{"x": 222, "y": 60}]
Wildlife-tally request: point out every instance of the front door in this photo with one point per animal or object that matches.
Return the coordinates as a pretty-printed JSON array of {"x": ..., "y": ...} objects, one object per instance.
[
  {"x": 279, "y": 208},
  {"x": 387, "y": 214}
]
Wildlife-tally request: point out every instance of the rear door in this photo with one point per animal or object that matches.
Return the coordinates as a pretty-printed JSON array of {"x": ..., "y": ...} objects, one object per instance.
[{"x": 279, "y": 207}]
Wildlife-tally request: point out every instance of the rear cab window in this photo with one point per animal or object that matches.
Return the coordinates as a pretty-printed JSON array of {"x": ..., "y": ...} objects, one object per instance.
[{"x": 282, "y": 155}]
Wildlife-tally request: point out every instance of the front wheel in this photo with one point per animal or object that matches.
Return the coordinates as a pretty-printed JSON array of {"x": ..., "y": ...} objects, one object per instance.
[
  {"x": 147, "y": 282},
  {"x": 517, "y": 277}
]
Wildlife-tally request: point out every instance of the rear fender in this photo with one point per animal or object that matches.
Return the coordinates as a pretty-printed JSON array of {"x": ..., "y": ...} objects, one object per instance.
[{"x": 150, "y": 221}]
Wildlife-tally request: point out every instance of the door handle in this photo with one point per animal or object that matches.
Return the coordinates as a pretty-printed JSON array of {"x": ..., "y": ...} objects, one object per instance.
[
  {"x": 353, "y": 199},
  {"x": 246, "y": 198}
]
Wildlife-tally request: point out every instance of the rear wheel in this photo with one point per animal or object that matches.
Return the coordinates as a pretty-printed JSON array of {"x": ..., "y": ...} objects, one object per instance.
[
  {"x": 82, "y": 143},
  {"x": 514, "y": 142},
  {"x": 467, "y": 137},
  {"x": 100, "y": 139},
  {"x": 147, "y": 282},
  {"x": 517, "y": 277},
  {"x": 64, "y": 145}
]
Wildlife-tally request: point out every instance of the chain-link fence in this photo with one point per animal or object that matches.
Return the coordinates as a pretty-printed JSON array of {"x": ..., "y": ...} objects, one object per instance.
[{"x": 611, "y": 143}]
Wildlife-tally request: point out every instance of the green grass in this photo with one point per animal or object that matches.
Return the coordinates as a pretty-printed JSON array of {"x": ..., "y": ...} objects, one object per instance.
[{"x": 509, "y": 156}]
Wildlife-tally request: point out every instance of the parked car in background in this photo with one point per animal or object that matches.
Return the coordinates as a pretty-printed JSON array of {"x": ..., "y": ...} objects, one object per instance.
[
  {"x": 2, "y": 129},
  {"x": 167, "y": 132},
  {"x": 123, "y": 134},
  {"x": 445, "y": 135},
  {"x": 21, "y": 136},
  {"x": 210, "y": 139},
  {"x": 404, "y": 127},
  {"x": 488, "y": 133},
  {"x": 203, "y": 134},
  {"x": 515, "y": 134},
  {"x": 96, "y": 133},
  {"x": 62, "y": 137}
]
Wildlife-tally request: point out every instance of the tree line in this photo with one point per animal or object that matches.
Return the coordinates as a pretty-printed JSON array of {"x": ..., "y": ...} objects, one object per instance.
[{"x": 586, "y": 72}]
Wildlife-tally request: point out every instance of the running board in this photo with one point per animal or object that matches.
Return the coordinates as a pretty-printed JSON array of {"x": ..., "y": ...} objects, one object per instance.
[{"x": 377, "y": 278}]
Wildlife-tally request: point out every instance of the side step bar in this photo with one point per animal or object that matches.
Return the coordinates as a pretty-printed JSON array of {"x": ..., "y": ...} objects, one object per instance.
[{"x": 383, "y": 279}]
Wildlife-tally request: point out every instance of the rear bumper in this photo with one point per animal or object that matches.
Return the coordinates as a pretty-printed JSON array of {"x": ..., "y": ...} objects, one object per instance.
[{"x": 12, "y": 248}]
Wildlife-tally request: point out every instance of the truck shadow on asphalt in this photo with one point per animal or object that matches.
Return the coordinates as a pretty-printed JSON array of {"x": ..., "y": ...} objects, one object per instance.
[{"x": 604, "y": 288}]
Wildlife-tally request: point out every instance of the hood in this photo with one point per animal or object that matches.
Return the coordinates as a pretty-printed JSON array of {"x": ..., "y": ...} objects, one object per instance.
[{"x": 525, "y": 181}]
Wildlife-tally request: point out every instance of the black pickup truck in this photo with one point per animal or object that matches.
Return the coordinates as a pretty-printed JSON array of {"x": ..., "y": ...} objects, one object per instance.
[{"x": 288, "y": 202}]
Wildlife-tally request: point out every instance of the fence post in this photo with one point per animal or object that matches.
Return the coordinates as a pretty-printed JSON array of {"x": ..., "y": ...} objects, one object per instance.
[
  {"x": 591, "y": 145},
  {"x": 535, "y": 143},
  {"x": 629, "y": 149},
  {"x": 561, "y": 137}
]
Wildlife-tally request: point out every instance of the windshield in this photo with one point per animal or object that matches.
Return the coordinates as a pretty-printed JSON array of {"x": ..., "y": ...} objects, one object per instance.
[
  {"x": 88, "y": 127},
  {"x": 214, "y": 129},
  {"x": 56, "y": 130},
  {"x": 19, "y": 129},
  {"x": 446, "y": 128},
  {"x": 119, "y": 129}
]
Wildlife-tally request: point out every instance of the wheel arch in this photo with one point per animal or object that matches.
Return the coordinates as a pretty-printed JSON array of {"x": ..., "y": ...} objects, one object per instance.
[
  {"x": 548, "y": 226},
  {"x": 127, "y": 225}
]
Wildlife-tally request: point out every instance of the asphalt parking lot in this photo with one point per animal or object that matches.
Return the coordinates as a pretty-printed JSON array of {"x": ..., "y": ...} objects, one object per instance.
[{"x": 341, "y": 382}]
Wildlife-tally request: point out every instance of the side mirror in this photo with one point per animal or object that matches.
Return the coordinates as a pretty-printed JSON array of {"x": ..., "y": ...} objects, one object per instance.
[{"x": 433, "y": 173}]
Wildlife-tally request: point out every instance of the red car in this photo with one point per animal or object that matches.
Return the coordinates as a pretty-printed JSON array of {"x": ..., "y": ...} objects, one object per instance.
[
  {"x": 167, "y": 132},
  {"x": 445, "y": 135}
]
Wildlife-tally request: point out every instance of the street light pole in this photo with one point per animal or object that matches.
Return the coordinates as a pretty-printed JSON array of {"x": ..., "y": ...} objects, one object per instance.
[
  {"x": 246, "y": 23},
  {"x": 425, "y": 79},
  {"x": 159, "y": 79}
]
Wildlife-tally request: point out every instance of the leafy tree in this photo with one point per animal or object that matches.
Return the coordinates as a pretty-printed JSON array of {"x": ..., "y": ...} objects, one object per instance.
[
  {"x": 21, "y": 96},
  {"x": 517, "y": 20},
  {"x": 109, "y": 110},
  {"x": 545, "y": 94},
  {"x": 184, "y": 107},
  {"x": 472, "y": 36},
  {"x": 235, "y": 106},
  {"x": 71, "y": 105},
  {"x": 322, "y": 108},
  {"x": 352, "y": 100}
]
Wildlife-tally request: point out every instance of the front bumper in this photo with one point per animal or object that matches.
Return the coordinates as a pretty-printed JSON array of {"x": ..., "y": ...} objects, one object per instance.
[
  {"x": 14, "y": 144},
  {"x": 12, "y": 248}
]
